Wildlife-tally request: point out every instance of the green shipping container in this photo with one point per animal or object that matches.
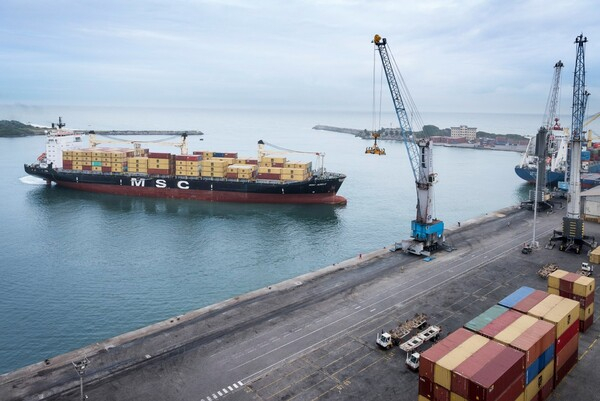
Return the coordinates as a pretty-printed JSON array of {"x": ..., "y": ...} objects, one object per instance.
[{"x": 485, "y": 318}]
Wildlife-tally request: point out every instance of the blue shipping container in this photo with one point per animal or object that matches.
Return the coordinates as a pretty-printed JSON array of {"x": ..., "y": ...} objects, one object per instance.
[{"x": 517, "y": 296}]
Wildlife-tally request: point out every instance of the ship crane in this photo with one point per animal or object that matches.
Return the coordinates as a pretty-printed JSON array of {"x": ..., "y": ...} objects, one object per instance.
[
  {"x": 427, "y": 232},
  {"x": 137, "y": 145},
  {"x": 262, "y": 152},
  {"x": 572, "y": 236}
]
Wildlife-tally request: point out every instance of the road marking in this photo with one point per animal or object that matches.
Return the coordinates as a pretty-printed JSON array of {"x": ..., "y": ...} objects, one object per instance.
[
  {"x": 215, "y": 396},
  {"x": 220, "y": 393},
  {"x": 224, "y": 391},
  {"x": 230, "y": 389},
  {"x": 373, "y": 310},
  {"x": 358, "y": 307}
]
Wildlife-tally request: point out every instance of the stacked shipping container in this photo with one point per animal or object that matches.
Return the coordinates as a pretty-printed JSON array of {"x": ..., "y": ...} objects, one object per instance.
[
  {"x": 578, "y": 288},
  {"x": 106, "y": 160},
  {"x": 519, "y": 349}
]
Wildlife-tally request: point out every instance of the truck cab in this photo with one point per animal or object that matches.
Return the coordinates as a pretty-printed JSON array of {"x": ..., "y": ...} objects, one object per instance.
[
  {"x": 412, "y": 360},
  {"x": 384, "y": 340}
]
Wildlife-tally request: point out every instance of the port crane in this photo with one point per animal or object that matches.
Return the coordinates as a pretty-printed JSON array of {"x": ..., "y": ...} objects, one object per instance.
[
  {"x": 427, "y": 232},
  {"x": 572, "y": 236}
]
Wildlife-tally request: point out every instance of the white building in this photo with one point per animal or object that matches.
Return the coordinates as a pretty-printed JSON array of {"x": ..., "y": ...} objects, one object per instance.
[{"x": 464, "y": 132}]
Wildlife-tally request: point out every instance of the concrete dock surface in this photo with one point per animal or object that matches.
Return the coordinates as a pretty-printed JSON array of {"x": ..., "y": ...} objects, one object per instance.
[{"x": 313, "y": 337}]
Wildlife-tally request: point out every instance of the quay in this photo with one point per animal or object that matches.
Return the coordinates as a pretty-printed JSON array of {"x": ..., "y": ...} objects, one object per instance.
[{"x": 313, "y": 337}]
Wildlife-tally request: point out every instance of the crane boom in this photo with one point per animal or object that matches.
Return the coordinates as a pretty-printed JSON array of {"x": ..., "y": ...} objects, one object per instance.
[{"x": 425, "y": 228}]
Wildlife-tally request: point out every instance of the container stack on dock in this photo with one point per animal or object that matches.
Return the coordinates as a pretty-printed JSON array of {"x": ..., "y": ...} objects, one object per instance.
[
  {"x": 519, "y": 349},
  {"x": 578, "y": 288}
]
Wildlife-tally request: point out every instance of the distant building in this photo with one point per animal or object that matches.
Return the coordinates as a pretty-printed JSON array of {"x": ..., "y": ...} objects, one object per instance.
[{"x": 463, "y": 131}]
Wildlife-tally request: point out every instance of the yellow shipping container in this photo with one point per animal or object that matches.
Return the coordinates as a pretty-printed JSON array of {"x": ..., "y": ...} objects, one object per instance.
[
  {"x": 595, "y": 256},
  {"x": 280, "y": 160},
  {"x": 293, "y": 171},
  {"x": 554, "y": 278},
  {"x": 539, "y": 381},
  {"x": 455, "y": 397},
  {"x": 515, "y": 329},
  {"x": 421, "y": 398},
  {"x": 118, "y": 169},
  {"x": 245, "y": 176},
  {"x": 563, "y": 315},
  {"x": 213, "y": 163},
  {"x": 443, "y": 368},
  {"x": 554, "y": 291},
  {"x": 78, "y": 168},
  {"x": 269, "y": 170},
  {"x": 585, "y": 313},
  {"x": 584, "y": 286},
  {"x": 212, "y": 174},
  {"x": 96, "y": 168},
  {"x": 545, "y": 306}
]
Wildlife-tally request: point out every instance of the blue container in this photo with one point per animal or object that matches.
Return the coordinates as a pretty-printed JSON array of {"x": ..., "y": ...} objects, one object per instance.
[
  {"x": 516, "y": 297},
  {"x": 532, "y": 370},
  {"x": 585, "y": 155},
  {"x": 546, "y": 357}
]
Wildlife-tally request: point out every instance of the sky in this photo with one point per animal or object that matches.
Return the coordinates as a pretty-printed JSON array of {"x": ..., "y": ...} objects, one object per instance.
[{"x": 455, "y": 56}]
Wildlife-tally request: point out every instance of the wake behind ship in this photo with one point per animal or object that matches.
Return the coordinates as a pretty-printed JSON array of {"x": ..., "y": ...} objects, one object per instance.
[{"x": 203, "y": 176}]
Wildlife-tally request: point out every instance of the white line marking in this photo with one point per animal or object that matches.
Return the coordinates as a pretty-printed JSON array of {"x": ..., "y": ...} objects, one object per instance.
[
  {"x": 215, "y": 396},
  {"x": 240, "y": 383},
  {"x": 220, "y": 393},
  {"x": 235, "y": 385},
  {"x": 229, "y": 387},
  {"x": 225, "y": 391}
]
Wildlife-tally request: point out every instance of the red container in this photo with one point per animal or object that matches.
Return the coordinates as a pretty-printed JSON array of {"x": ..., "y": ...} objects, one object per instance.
[
  {"x": 463, "y": 372},
  {"x": 440, "y": 393},
  {"x": 231, "y": 175},
  {"x": 500, "y": 323},
  {"x": 231, "y": 155},
  {"x": 583, "y": 301},
  {"x": 534, "y": 341},
  {"x": 586, "y": 324},
  {"x": 565, "y": 337},
  {"x": 505, "y": 371},
  {"x": 155, "y": 155},
  {"x": 530, "y": 301},
  {"x": 566, "y": 352},
  {"x": 159, "y": 171},
  {"x": 88, "y": 168},
  {"x": 439, "y": 350},
  {"x": 106, "y": 169},
  {"x": 565, "y": 369},
  {"x": 425, "y": 387},
  {"x": 566, "y": 282},
  {"x": 268, "y": 176},
  {"x": 192, "y": 158}
]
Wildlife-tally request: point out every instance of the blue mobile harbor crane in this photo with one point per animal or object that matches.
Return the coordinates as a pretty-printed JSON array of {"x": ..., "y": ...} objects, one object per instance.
[{"x": 427, "y": 232}]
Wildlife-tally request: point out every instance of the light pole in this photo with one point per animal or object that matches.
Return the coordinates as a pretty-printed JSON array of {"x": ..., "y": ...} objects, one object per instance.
[
  {"x": 534, "y": 244},
  {"x": 80, "y": 369}
]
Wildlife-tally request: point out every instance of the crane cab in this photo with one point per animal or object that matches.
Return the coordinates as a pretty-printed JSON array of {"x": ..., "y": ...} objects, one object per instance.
[{"x": 375, "y": 150}]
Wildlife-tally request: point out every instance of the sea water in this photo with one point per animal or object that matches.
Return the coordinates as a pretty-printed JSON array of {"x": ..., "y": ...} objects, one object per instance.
[{"x": 78, "y": 267}]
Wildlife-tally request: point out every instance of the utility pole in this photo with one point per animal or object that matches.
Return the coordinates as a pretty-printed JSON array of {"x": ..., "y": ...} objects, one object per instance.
[{"x": 80, "y": 369}]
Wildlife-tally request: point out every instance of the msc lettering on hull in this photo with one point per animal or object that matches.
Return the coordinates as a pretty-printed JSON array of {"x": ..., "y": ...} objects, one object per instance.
[{"x": 159, "y": 183}]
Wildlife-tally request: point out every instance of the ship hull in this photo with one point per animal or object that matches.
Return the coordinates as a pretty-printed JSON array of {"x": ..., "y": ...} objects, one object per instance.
[
  {"x": 552, "y": 177},
  {"x": 316, "y": 190}
]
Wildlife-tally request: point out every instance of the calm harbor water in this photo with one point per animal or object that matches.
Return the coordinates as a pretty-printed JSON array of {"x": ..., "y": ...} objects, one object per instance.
[{"x": 78, "y": 268}]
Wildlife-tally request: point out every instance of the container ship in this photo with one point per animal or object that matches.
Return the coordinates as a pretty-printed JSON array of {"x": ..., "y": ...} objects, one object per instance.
[
  {"x": 556, "y": 164},
  {"x": 203, "y": 175}
]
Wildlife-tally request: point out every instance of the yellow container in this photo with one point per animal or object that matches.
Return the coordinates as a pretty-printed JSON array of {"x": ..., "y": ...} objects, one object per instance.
[
  {"x": 595, "y": 256},
  {"x": 584, "y": 286},
  {"x": 535, "y": 385},
  {"x": 212, "y": 174},
  {"x": 563, "y": 315},
  {"x": 421, "y": 398},
  {"x": 585, "y": 313},
  {"x": 96, "y": 168},
  {"x": 245, "y": 176},
  {"x": 454, "y": 397},
  {"x": 554, "y": 291},
  {"x": 515, "y": 329},
  {"x": 545, "y": 306},
  {"x": 554, "y": 278},
  {"x": 269, "y": 170},
  {"x": 443, "y": 368}
]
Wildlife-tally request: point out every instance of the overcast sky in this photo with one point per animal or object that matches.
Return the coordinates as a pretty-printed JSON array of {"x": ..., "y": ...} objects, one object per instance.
[{"x": 455, "y": 56}]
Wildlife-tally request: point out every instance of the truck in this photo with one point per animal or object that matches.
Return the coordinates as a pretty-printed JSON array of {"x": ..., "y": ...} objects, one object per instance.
[
  {"x": 431, "y": 333},
  {"x": 393, "y": 337}
]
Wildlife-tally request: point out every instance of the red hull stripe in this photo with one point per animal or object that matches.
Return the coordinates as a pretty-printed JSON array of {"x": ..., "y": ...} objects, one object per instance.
[{"x": 211, "y": 196}]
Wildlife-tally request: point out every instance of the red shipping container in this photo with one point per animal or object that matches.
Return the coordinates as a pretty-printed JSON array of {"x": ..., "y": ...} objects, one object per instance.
[
  {"x": 500, "y": 323},
  {"x": 566, "y": 282},
  {"x": 565, "y": 337},
  {"x": 506, "y": 369},
  {"x": 192, "y": 158},
  {"x": 268, "y": 176},
  {"x": 566, "y": 368},
  {"x": 530, "y": 301},
  {"x": 89, "y": 168},
  {"x": 106, "y": 169},
  {"x": 546, "y": 390},
  {"x": 425, "y": 387},
  {"x": 463, "y": 372},
  {"x": 534, "y": 341},
  {"x": 155, "y": 155},
  {"x": 159, "y": 171},
  {"x": 231, "y": 175},
  {"x": 586, "y": 324},
  {"x": 566, "y": 352},
  {"x": 439, "y": 350},
  {"x": 513, "y": 391},
  {"x": 440, "y": 393},
  {"x": 583, "y": 301}
]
